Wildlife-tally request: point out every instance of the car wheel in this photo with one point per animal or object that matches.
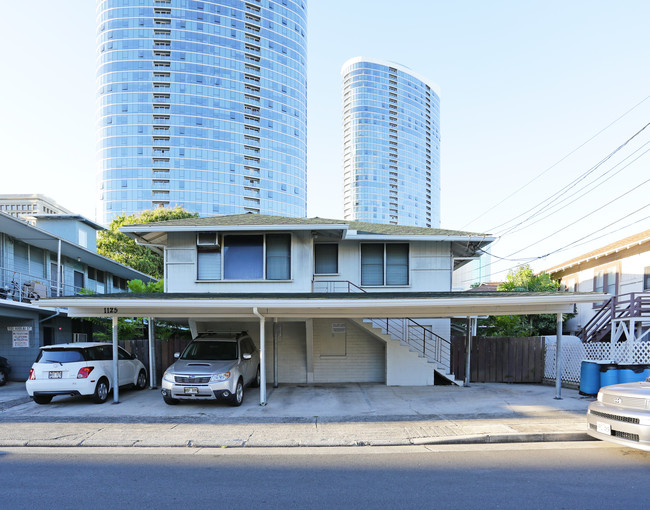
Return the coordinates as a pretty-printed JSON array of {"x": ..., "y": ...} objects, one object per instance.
[
  {"x": 3, "y": 378},
  {"x": 170, "y": 401},
  {"x": 141, "y": 382},
  {"x": 238, "y": 395},
  {"x": 42, "y": 399},
  {"x": 257, "y": 381},
  {"x": 101, "y": 391}
]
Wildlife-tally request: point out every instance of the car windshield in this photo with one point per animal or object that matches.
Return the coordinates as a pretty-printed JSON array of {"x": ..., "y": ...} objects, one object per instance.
[
  {"x": 60, "y": 356},
  {"x": 211, "y": 351}
]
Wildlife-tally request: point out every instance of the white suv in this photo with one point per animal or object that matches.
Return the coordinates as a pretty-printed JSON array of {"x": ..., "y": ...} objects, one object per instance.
[
  {"x": 81, "y": 368},
  {"x": 213, "y": 367}
]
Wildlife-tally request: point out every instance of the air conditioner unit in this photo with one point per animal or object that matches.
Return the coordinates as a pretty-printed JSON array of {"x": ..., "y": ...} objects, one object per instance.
[{"x": 207, "y": 239}]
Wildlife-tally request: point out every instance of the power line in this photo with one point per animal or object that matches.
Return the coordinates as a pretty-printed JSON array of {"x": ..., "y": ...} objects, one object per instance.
[
  {"x": 526, "y": 260},
  {"x": 514, "y": 229},
  {"x": 599, "y": 208},
  {"x": 557, "y": 163},
  {"x": 554, "y": 197}
]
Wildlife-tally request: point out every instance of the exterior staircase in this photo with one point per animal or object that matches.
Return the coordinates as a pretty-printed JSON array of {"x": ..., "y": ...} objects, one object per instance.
[
  {"x": 625, "y": 315},
  {"x": 418, "y": 339}
]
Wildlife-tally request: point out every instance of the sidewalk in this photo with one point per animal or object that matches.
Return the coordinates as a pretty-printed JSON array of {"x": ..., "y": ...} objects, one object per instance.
[{"x": 302, "y": 415}]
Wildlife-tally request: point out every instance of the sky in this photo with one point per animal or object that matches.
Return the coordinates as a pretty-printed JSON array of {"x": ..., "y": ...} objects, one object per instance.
[{"x": 535, "y": 94}]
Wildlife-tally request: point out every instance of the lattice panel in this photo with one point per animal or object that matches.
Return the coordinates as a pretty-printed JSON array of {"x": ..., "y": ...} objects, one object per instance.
[{"x": 573, "y": 354}]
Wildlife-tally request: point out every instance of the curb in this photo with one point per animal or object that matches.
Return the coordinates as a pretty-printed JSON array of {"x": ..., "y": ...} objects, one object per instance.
[{"x": 459, "y": 440}]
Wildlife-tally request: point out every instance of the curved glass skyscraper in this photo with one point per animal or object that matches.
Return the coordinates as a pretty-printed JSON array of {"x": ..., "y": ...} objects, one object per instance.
[
  {"x": 202, "y": 104},
  {"x": 391, "y": 144}
]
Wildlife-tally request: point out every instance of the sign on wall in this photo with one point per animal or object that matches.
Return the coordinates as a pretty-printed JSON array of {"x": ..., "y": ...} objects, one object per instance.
[{"x": 20, "y": 336}]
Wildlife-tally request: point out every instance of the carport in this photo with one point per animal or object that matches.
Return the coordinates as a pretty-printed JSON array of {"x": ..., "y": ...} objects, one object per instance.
[{"x": 263, "y": 307}]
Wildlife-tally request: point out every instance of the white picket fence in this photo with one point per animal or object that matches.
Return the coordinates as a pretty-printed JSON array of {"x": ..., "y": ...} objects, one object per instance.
[{"x": 574, "y": 352}]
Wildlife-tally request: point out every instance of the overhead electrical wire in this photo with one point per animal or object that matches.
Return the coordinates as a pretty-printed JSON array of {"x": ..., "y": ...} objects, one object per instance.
[
  {"x": 558, "y": 162},
  {"x": 555, "y": 196},
  {"x": 515, "y": 228},
  {"x": 589, "y": 236}
]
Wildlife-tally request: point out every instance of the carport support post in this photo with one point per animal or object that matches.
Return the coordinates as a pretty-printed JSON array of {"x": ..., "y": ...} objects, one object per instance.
[
  {"x": 469, "y": 350},
  {"x": 262, "y": 358},
  {"x": 558, "y": 358},
  {"x": 275, "y": 353},
  {"x": 116, "y": 384},
  {"x": 152, "y": 354}
]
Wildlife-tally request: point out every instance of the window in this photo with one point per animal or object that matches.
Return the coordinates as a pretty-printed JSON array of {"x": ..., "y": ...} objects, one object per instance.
[
  {"x": 326, "y": 258},
  {"x": 384, "y": 264},
  {"x": 243, "y": 257},
  {"x": 209, "y": 263},
  {"x": 646, "y": 278},
  {"x": 278, "y": 256},
  {"x": 78, "y": 280},
  {"x": 606, "y": 280},
  {"x": 119, "y": 283},
  {"x": 246, "y": 257}
]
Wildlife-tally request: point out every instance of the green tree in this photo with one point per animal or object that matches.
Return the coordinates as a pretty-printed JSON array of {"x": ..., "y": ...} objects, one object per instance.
[
  {"x": 523, "y": 280},
  {"x": 121, "y": 248}
]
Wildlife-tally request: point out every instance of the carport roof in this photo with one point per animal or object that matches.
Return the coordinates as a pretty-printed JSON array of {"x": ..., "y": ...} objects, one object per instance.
[{"x": 322, "y": 305}]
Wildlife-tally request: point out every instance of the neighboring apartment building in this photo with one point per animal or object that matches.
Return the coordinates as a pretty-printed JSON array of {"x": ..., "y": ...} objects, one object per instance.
[
  {"x": 621, "y": 269},
  {"x": 202, "y": 104},
  {"x": 240, "y": 257},
  {"x": 19, "y": 205},
  {"x": 57, "y": 257},
  {"x": 391, "y": 144}
]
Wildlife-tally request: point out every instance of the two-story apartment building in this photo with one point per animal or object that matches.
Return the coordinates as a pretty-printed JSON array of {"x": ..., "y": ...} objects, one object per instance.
[
  {"x": 326, "y": 301},
  {"x": 620, "y": 269},
  {"x": 51, "y": 256}
]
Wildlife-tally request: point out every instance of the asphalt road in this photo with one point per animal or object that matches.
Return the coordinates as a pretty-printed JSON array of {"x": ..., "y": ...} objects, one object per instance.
[{"x": 538, "y": 475}]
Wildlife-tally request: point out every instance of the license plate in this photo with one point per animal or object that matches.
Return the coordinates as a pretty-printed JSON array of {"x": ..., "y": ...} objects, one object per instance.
[
  {"x": 191, "y": 390},
  {"x": 55, "y": 375},
  {"x": 603, "y": 428}
]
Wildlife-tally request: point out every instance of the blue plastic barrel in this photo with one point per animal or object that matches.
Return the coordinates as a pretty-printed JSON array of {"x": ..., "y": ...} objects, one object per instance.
[
  {"x": 608, "y": 374},
  {"x": 589, "y": 377},
  {"x": 631, "y": 373}
]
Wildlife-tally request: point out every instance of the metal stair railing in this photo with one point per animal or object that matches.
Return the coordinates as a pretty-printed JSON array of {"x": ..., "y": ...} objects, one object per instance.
[
  {"x": 431, "y": 345},
  {"x": 328, "y": 286},
  {"x": 421, "y": 339}
]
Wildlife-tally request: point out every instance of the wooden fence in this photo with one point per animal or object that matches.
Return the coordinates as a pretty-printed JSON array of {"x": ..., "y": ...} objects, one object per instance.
[
  {"x": 500, "y": 359},
  {"x": 164, "y": 349}
]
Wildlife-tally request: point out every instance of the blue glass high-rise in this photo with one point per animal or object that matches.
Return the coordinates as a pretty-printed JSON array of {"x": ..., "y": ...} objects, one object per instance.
[
  {"x": 391, "y": 144},
  {"x": 202, "y": 104}
]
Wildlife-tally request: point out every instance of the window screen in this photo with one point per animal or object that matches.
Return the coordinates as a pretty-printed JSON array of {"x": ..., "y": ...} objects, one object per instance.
[
  {"x": 372, "y": 264},
  {"x": 278, "y": 257},
  {"x": 326, "y": 258},
  {"x": 397, "y": 264},
  {"x": 209, "y": 263}
]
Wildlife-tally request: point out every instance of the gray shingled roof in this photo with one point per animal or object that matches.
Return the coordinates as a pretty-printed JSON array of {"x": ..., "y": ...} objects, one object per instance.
[{"x": 248, "y": 219}]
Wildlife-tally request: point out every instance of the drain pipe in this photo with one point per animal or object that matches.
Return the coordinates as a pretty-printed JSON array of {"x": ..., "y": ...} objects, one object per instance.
[
  {"x": 50, "y": 317},
  {"x": 262, "y": 364}
]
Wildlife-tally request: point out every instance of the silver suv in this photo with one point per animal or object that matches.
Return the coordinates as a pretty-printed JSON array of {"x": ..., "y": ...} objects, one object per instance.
[{"x": 213, "y": 367}]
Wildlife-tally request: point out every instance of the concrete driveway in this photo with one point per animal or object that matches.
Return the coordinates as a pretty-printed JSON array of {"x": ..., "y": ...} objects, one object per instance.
[
  {"x": 330, "y": 402},
  {"x": 300, "y": 415}
]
